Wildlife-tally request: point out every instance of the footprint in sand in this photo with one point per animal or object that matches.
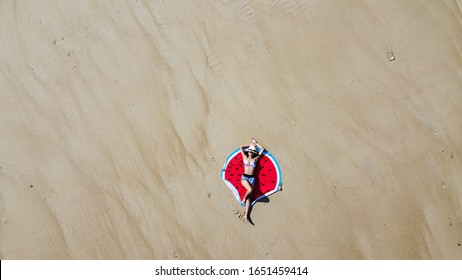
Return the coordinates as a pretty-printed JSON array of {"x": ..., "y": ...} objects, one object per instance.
[{"x": 239, "y": 214}]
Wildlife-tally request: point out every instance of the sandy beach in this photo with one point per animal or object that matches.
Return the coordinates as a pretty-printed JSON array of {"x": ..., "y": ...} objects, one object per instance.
[{"x": 116, "y": 118}]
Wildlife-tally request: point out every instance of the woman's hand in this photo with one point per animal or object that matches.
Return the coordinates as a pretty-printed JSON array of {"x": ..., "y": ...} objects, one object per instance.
[{"x": 255, "y": 143}]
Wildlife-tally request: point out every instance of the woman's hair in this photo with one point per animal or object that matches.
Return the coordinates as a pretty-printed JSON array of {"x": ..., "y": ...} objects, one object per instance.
[{"x": 252, "y": 155}]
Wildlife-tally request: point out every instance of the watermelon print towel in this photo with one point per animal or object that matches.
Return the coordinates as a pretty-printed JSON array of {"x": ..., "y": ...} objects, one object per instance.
[{"x": 267, "y": 171}]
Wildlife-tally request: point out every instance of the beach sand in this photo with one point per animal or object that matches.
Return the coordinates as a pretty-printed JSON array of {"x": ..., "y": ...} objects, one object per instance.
[{"x": 116, "y": 118}]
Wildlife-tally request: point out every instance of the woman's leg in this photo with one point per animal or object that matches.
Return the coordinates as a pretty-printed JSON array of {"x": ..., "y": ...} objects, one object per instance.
[
  {"x": 247, "y": 210},
  {"x": 248, "y": 187},
  {"x": 246, "y": 198}
]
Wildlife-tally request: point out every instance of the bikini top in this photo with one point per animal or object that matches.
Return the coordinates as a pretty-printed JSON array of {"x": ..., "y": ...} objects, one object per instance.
[{"x": 248, "y": 163}]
